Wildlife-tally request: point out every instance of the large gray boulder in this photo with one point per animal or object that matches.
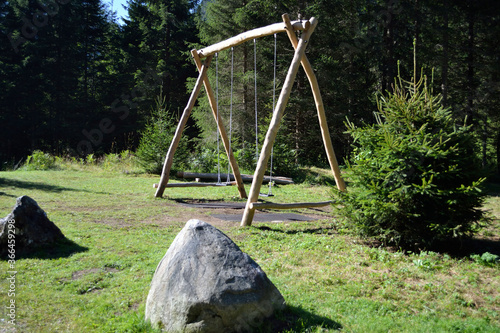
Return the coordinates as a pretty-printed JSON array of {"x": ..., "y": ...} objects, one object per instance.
[
  {"x": 30, "y": 226},
  {"x": 205, "y": 283}
]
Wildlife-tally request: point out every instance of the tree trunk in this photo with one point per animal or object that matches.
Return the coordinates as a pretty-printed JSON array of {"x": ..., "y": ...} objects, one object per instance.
[
  {"x": 484, "y": 141},
  {"x": 417, "y": 30},
  {"x": 470, "y": 89},
  {"x": 445, "y": 60},
  {"x": 298, "y": 115},
  {"x": 167, "y": 79},
  {"x": 388, "y": 61},
  {"x": 246, "y": 113},
  {"x": 498, "y": 152}
]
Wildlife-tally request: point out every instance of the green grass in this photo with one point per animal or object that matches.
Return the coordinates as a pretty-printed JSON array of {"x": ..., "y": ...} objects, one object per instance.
[{"x": 118, "y": 232}]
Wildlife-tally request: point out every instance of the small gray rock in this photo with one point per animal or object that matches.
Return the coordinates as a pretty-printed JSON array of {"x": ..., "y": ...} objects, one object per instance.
[
  {"x": 205, "y": 283},
  {"x": 32, "y": 227}
]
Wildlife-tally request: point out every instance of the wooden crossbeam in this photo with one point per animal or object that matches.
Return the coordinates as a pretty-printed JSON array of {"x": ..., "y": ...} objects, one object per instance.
[{"x": 249, "y": 35}]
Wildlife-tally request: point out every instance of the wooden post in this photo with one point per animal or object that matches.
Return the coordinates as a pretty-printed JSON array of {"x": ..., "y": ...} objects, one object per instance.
[
  {"x": 325, "y": 132},
  {"x": 275, "y": 123},
  {"x": 222, "y": 130},
  {"x": 180, "y": 127}
]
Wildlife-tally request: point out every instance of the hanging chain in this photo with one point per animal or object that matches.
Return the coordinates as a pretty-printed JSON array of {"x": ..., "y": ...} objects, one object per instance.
[
  {"x": 255, "y": 90},
  {"x": 228, "y": 180},
  {"x": 274, "y": 106},
  {"x": 217, "y": 113}
]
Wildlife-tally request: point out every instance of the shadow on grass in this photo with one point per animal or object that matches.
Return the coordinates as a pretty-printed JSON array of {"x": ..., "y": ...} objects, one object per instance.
[
  {"x": 466, "y": 247},
  {"x": 297, "y": 319},
  {"x": 27, "y": 185},
  {"x": 463, "y": 248},
  {"x": 292, "y": 319},
  {"x": 60, "y": 249},
  {"x": 7, "y": 195},
  {"x": 456, "y": 248},
  {"x": 492, "y": 186},
  {"x": 330, "y": 230},
  {"x": 210, "y": 204}
]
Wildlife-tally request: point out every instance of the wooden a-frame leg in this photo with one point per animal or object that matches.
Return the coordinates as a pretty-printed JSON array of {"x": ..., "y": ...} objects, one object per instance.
[
  {"x": 180, "y": 127},
  {"x": 222, "y": 130},
  {"x": 325, "y": 132},
  {"x": 274, "y": 125}
]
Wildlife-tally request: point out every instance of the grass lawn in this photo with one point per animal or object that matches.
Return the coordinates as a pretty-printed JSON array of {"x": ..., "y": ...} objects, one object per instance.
[{"x": 118, "y": 232}]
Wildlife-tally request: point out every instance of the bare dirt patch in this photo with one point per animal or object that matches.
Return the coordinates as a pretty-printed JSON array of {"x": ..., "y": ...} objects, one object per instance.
[{"x": 177, "y": 214}]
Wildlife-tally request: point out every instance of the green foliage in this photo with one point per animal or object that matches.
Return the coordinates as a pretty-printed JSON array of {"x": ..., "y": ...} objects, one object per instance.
[
  {"x": 123, "y": 161},
  {"x": 90, "y": 159},
  {"x": 486, "y": 259},
  {"x": 413, "y": 176},
  {"x": 205, "y": 160},
  {"x": 156, "y": 139},
  {"x": 40, "y": 161},
  {"x": 426, "y": 261}
]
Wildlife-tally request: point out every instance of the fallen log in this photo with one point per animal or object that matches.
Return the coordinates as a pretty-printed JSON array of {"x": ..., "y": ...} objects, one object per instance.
[
  {"x": 223, "y": 176},
  {"x": 195, "y": 184}
]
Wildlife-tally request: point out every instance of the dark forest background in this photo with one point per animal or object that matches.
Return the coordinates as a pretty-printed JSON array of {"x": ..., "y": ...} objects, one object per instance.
[{"x": 74, "y": 80}]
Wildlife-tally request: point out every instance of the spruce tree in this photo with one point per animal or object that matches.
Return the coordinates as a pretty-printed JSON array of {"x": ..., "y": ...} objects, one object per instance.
[{"x": 413, "y": 177}]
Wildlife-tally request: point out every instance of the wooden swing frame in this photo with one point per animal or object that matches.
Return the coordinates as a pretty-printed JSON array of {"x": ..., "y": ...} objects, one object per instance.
[{"x": 207, "y": 53}]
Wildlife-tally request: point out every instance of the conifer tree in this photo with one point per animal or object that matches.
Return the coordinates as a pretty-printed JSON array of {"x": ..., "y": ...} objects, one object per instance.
[
  {"x": 413, "y": 176},
  {"x": 157, "y": 36}
]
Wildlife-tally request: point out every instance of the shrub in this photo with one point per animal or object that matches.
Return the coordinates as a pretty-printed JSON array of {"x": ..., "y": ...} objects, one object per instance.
[
  {"x": 90, "y": 159},
  {"x": 124, "y": 161},
  {"x": 413, "y": 176},
  {"x": 40, "y": 161},
  {"x": 205, "y": 160},
  {"x": 156, "y": 139},
  {"x": 486, "y": 259}
]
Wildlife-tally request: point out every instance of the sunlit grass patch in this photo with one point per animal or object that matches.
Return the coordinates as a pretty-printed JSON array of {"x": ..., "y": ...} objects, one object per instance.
[{"x": 330, "y": 280}]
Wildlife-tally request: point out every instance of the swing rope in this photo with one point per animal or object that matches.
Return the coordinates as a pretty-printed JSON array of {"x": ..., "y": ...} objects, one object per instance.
[
  {"x": 228, "y": 180},
  {"x": 255, "y": 90},
  {"x": 217, "y": 114},
  {"x": 270, "y": 193}
]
